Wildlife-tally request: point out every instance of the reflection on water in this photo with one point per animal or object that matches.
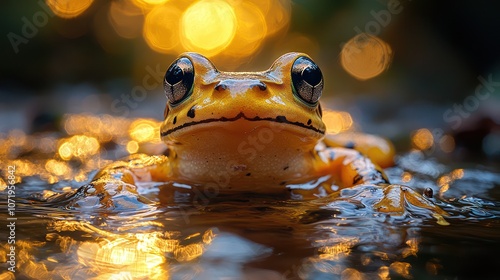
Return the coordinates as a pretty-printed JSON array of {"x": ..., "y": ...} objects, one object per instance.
[
  {"x": 258, "y": 237},
  {"x": 164, "y": 231}
]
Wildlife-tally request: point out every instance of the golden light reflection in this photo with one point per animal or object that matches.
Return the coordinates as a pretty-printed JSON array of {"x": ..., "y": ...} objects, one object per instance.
[
  {"x": 144, "y": 130},
  {"x": 339, "y": 250},
  {"x": 208, "y": 26},
  {"x": 18, "y": 137},
  {"x": 335, "y": 252},
  {"x": 78, "y": 146},
  {"x": 406, "y": 177},
  {"x": 337, "y": 121},
  {"x": 122, "y": 255},
  {"x": 412, "y": 248},
  {"x": 57, "y": 168},
  {"x": 25, "y": 168},
  {"x": 148, "y": 4},
  {"x": 383, "y": 273},
  {"x": 444, "y": 188},
  {"x": 233, "y": 29},
  {"x": 401, "y": 268},
  {"x": 446, "y": 180},
  {"x": 352, "y": 274},
  {"x": 125, "y": 18},
  {"x": 68, "y": 8},
  {"x": 457, "y": 174},
  {"x": 250, "y": 32},
  {"x": 161, "y": 28},
  {"x": 132, "y": 147},
  {"x": 189, "y": 252},
  {"x": 104, "y": 128},
  {"x": 447, "y": 143},
  {"x": 277, "y": 14},
  {"x": 422, "y": 139},
  {"x": 365, "y": 56}
]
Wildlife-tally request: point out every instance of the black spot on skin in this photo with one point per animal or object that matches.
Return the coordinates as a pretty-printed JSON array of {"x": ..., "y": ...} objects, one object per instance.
[
  {"x": 309, "y": 122},
  {"x": 175, "y": 119},
  {"x": 248, "y": 174},
  {"x": 286, "y": 167},
  {"x": 191, "y": 112},
  {"x": 350, "y": 145},
  {"x": 428, "y": 192},
  {"x": 281, "y": 119}
]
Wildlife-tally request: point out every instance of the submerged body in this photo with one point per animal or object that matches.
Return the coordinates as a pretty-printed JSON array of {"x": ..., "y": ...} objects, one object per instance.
[{"x": 258, "y": 132}]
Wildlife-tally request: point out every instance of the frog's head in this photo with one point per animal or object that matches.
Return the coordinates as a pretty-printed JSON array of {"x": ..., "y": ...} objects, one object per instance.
[{"x": 207, "y": 107}]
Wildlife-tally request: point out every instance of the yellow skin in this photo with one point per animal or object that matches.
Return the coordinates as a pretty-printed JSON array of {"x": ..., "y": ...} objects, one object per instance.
[{"x": 253, "y": 132}]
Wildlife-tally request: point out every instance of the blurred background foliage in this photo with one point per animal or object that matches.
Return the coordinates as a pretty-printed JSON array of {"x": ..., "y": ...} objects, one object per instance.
[{"x": 394, "y": 66}]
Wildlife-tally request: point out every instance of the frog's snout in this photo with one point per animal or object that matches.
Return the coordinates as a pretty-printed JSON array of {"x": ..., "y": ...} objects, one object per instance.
[{"x": 240, "y": 86}]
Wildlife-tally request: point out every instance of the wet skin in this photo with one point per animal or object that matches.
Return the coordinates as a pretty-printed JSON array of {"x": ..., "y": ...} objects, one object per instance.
[{"x": 258, "y": 132}]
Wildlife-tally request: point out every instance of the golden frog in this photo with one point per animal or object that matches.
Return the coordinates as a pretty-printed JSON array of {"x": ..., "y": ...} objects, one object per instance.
[{"x": 258, "y": 132}]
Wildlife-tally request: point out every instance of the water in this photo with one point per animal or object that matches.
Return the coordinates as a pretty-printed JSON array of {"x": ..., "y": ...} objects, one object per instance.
[{"x": 170, "y": 233}]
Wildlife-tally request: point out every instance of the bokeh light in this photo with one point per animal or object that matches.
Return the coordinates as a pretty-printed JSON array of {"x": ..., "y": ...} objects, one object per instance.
[
  {"x": 126, "y": 19},
  {"x": 132, "y": 147},
  {"x": 447, "y": 143},
  {"x": 208, "y": 26},
  {"x": 337, "y": 121},
  {"x": 365, "y": 56},
  {"x": 422, "y": 139},
  {"x": 231, "y": 29},
  {"x": 78, "y": 146},
  {"x": 250, "y": 32},
  {"x": 148, "y": 4},
  {"x": 277, "y": 14},
  {"x": 144, "y": 130},
  {"x": 68, "y": 8},
  {"x": 58, "y": 168},
  {"x": 161, "y": 28}
]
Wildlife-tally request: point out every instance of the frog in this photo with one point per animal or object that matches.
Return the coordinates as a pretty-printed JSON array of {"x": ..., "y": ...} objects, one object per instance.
[{"x": 257, "y": 132}]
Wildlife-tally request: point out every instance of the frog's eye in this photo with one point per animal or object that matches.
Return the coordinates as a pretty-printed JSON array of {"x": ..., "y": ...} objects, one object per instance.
[
  {"x": 307, "y": 80},
  {"x": 178, "y": 82}
]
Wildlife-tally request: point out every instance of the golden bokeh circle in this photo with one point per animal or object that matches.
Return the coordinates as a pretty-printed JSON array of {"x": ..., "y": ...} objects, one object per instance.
[
  {"x": 161, "y": 28},
  {"x": 68, "y": 8},
  {"x": 208, "y": 27},
  {"x": 365, "y": 56},
  {"x": 251, "y": 30}
]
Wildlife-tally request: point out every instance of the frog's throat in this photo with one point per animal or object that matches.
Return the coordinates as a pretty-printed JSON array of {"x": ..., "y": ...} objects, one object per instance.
[{"x": 241, "y": 115}]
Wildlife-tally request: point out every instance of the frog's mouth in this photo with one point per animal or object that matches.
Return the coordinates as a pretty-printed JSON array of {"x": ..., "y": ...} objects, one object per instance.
[{"x": 241, "y": 116}]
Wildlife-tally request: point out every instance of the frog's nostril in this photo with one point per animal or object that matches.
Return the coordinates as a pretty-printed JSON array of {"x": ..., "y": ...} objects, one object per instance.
[
  {"x": 236, "y": 86},
  {"x": 220, "y": 87},
  {"x": 260, "y": 85}
]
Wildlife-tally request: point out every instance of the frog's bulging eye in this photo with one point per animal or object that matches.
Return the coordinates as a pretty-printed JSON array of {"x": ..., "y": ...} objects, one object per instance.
[
  {"x": 307, "y": 80},
  {"x": 178, "y": 82}
]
